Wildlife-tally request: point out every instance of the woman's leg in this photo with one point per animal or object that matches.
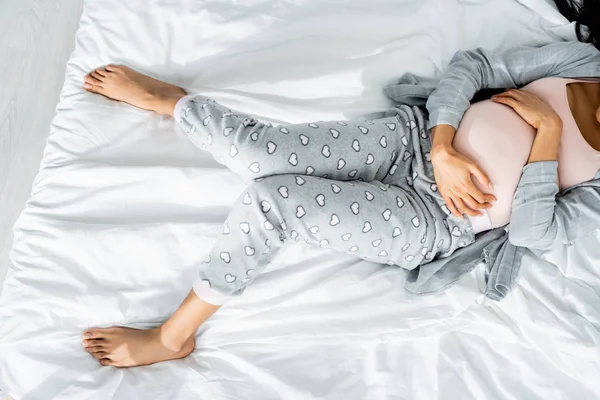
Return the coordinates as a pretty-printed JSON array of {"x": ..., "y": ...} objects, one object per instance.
[
  {"x": 372, "y": 221},
  {"x": 367, "y": 150},
  {"x": 342, "y": 150},
  {"x": 369, "y": 220}
]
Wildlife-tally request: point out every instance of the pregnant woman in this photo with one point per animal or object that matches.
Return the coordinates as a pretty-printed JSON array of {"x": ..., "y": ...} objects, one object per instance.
[{"x": 387, "y": 190}]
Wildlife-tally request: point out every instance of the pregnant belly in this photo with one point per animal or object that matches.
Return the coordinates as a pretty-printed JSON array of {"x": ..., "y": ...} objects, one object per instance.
[{"x": 499, "y": 141}]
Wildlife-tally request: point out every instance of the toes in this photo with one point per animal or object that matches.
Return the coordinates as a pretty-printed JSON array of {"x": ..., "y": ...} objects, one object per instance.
[
  {"x": 113, "y": 68},
  {"x": 96, "y": 76},
  {"x": 92, "y": 80},
  {"x": 100, "y": 355},
  {"x": 107, "y": 362},
  {"x": 95, "y": 349},
  {"x": 92, "y": 85},
  {"x": 101, "y": 72},
  {"x": 92, "y": 88},
  {"x": 92, "y": 342},
  {"x": 96, "y": 333}
]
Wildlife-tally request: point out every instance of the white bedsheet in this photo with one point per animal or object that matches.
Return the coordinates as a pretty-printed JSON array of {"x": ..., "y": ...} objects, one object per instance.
[{"x": 124, "y": 208}]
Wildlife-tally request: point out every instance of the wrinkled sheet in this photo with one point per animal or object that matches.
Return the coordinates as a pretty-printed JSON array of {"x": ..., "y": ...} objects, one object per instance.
[{"x": 124, "y": 208}]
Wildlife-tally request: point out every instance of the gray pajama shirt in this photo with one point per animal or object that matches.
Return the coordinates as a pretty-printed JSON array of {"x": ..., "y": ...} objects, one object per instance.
[
  {"x": 541, "y": 217},
  {"x": 362, "y": 187}
]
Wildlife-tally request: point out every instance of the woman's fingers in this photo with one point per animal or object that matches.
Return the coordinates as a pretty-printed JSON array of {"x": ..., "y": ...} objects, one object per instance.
[
  {"x": 478, "y": 195},
  {"x": 466, "y": 204},
  {"x": 473, "y": 203},
  {"x": 506, "y": 100},
  {"x": 456, "y": 185},
  {"x": 514, "y": 94},
  {"x": 452, "y": 207},
  {"x": 489, "y": 198},
  {"x": 461, "y": 206},
  {"x": 471, "y": 190},
  {"x": 481, "y": 177},
  {"x": 513, "y": 97},
  {"x": 508, "y": 96}
]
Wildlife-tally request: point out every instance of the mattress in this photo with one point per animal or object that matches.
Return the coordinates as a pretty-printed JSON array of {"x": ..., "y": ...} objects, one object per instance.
[{"x": 124, "y": 208}]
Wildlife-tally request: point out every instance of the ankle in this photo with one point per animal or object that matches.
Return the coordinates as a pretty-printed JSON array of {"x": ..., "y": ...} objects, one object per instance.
[
  {"x": 165, "y": 105},
  {"x": 170, "y": 339}
]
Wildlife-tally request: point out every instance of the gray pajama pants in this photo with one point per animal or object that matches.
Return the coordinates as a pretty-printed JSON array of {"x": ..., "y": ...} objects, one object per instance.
[{"x": 361, "y": 187}]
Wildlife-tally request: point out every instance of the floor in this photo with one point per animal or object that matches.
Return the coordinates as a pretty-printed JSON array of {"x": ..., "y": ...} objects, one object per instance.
[{"x": 36, "y": 39}]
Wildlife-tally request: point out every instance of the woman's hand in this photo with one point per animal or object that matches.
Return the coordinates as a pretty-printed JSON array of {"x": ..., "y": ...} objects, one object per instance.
[
  {"x": 452, "y": 172},
  {"x": 531, "y": 108}
]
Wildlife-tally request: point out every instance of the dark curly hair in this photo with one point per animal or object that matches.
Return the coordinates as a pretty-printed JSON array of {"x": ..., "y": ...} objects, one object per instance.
[{"x": 583, "y": 13}]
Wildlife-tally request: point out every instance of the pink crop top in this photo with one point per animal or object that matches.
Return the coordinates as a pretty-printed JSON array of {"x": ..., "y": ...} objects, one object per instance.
[{"x": 499, "y": 141}]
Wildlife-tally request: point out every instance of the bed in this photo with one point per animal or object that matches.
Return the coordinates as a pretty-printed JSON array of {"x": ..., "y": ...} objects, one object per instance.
[{"x": 124, "y": 208}]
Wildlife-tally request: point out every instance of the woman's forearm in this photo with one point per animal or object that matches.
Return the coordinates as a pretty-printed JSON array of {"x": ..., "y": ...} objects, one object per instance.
[
  {"x": 546, "y": 142},
  {"x": 472, "y": 70},
  {"x": 533, "y": 221}
]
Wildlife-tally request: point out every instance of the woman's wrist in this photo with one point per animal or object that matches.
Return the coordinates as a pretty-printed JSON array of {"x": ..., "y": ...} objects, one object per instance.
[
  {"x": 547, "y": 142},
  {"x": 441, "y": 152},
  {"x": 550, "y": 123},
  {"x": 441, "y": 140}
]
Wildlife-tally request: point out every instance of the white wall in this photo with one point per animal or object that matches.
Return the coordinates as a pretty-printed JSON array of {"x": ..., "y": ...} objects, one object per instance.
[{"x": 36, "y": 39}]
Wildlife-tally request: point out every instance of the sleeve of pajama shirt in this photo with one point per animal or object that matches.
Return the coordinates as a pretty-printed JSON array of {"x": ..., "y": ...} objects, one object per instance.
[
  {"x": 473, "y": 70},
  {"x": 541, "y": 218}
]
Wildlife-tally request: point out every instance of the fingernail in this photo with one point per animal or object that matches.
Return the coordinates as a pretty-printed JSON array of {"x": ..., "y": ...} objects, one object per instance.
[
  {"x": 87, "y": 335},
  {"x": 87, "y": 86}
]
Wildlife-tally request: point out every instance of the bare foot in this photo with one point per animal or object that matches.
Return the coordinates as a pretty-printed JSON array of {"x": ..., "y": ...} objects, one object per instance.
[
  {"x": 121, "y": 83},
  {"x": 127, "y": 347}
]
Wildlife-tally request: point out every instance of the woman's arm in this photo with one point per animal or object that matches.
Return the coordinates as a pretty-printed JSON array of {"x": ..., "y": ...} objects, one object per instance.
[
  {"x": 473, "y": 70},
  {"x": 533, "y": 221},
  {"x": 467, "y": 73},
  {"x": 540, "y": 219}
]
